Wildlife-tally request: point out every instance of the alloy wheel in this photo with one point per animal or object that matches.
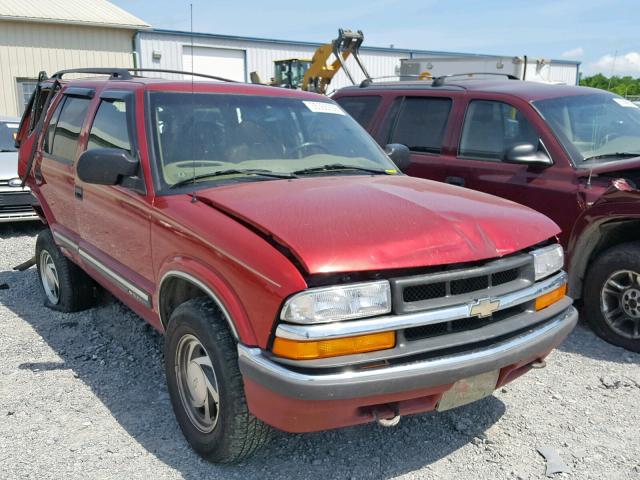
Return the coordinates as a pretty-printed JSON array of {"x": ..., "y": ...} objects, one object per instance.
[
  {"x": 197, "y": 383},
  {"x": 620, "y": 303},
  {"x": 49, "y": 277}
]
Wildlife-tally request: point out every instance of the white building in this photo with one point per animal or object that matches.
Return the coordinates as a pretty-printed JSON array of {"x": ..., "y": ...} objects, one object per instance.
[
  {"x": 235, "y": 57},
  {"x": 53, "y": 35}
]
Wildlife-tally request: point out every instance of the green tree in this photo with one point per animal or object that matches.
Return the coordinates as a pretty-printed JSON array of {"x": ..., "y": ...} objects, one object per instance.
[{"x": 624, "y": 86}]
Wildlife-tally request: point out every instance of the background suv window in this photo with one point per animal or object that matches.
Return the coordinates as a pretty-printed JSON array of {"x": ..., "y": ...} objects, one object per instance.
[
  {"x": 109, "y": 129},
  {"x": 421, "y": 123},
  {"x": 361, "y": 108},
  {"x": 491, "y": 128},
  {"x": 65, "y": 137}
]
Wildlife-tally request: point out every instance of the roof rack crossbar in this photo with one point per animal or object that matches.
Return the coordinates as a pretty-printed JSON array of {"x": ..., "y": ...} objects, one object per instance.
[
  {"x": 114, "y": 73},
  {"x": 367, "y": 82},
  {"x": 126, "y": 73},
  {"x": 439, "y": 81}
]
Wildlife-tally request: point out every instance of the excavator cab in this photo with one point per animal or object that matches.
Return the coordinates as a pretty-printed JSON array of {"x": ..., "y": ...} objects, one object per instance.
[{"x": 290, "y": 72}]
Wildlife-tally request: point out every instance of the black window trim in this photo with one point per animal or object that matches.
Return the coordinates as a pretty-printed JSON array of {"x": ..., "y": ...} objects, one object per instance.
[
  {"x": 54, "y": 119},
  {"x": 495, "y": 160},
  {"x": 63, "y": 101},
  {"x": 128, "y": 97},
  {"x": 398, "y": 106}
]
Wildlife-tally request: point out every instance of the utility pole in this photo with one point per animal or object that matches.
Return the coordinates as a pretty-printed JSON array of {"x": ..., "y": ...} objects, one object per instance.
[{"x": 613, "y": 67}]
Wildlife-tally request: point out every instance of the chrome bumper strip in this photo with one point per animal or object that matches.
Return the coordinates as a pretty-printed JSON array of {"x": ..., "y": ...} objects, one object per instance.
[
  {"x": 418, "y": 319},
  {"x": 534, "y": 343}
]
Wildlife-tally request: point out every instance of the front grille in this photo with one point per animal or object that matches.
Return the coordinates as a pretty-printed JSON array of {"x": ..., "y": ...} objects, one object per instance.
[
  {"x": 458, "y": 286},
  {"x": 461, "y": 325},
  {"x": 16, "y": 209},
  {"x": 16, "y": 199}
]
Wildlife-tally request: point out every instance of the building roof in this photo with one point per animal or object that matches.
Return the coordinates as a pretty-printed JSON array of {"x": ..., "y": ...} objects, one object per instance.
[
  {"x": 411, "y": 52},
  {"x": 97, "y": 13}
]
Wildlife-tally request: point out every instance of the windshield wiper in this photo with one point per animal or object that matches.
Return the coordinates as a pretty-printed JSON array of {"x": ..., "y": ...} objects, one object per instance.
[
  {"x": 232, "y": 171},
  {"x": 340, "y": 166},
  {"x": 4, "y": 150},
  {"x": 613, "y": 154}
]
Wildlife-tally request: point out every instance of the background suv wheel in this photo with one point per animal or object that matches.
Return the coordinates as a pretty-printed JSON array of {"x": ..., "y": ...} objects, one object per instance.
[{"x": 612, "y": 296}]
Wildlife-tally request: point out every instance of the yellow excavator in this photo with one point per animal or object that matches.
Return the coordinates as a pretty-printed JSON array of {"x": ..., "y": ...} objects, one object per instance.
[{"x": 315, "y": 75}]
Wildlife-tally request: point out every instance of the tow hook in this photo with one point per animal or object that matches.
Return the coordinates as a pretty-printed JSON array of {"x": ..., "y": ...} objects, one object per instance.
[
  {"x": 388, "y": 422},
  {"x": 538, "y": 364}
]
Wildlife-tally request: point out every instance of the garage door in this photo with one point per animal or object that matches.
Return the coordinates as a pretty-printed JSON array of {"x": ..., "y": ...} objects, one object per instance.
[{"x": 221, "y": 62}]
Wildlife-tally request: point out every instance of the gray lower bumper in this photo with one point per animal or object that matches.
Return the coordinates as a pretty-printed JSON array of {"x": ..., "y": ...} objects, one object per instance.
[{"x": 404, "y": 377}]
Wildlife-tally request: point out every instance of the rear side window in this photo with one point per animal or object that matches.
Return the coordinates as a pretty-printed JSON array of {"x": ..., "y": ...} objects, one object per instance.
[
  {"x": 47, "y": 144},
  {"x": 109, "y": 129},
  {"x": 361, "y": 108},
  {"x": 491, "y": 128},
  {"x": 67, "y": 131},
  {"x": 421, "y": 123}
]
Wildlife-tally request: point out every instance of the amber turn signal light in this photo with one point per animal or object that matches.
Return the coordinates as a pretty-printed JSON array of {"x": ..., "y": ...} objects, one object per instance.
[
  {"x": 309, "y": 350},
  {"x": 543, "y": 301}
]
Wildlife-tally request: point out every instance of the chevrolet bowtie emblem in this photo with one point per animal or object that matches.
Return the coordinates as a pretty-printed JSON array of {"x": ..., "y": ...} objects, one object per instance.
[{"x": 484, "y": 307}]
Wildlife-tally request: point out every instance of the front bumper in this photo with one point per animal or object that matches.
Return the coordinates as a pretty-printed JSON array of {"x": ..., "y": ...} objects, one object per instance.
[{"x": 295, "y": 400}]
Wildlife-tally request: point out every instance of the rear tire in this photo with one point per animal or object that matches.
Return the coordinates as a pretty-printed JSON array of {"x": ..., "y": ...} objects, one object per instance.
[
  {"x": 205, "y": 385},
  {"x": 65, "y": 286},
  {"x": 612, "y": 296}
]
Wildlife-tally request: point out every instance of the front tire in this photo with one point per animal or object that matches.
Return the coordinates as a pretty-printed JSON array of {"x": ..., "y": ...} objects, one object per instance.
[
  {"x": 612, "y": 296},
  {"x": 65, "y": 286},
  {"x": 205, "y": 385}
]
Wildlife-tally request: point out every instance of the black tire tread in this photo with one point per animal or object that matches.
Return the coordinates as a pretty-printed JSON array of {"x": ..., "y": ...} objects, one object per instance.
[
  {"x": 78, "y": 291},
  {"x": 627, "y": 255},
  {"x": 247, "y": 433}
]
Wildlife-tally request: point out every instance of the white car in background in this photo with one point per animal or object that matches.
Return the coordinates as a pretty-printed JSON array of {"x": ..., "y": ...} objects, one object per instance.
[{"x": 16, "y": 203}]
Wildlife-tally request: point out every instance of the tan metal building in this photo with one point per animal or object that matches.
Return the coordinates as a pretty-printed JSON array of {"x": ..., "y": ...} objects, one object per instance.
[{"x": 54, "y": 35}]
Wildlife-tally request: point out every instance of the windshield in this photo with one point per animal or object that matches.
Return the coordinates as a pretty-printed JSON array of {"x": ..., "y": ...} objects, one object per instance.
[
  {"x": 599, "y": 127},
  {"x": 8, "y": 132},
  {"x": 196, "y": 135}
]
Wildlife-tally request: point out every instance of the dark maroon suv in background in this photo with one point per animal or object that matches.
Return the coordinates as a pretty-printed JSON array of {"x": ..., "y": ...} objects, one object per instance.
[{"x": 572, "y": 153}]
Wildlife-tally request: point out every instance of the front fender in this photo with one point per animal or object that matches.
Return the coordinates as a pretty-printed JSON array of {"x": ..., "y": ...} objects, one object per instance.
[{"x": 206, "y": 278}]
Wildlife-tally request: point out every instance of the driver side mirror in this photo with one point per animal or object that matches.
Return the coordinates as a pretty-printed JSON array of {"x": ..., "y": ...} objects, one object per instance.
[
  {"x": 527, "y": 153},
  {"x": 399, "y": 154},
  {"x": 106, "y": 166}
]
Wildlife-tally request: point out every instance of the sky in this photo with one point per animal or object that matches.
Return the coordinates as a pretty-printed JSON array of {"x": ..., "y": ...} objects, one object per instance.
[{"x": 603, "y": 35}]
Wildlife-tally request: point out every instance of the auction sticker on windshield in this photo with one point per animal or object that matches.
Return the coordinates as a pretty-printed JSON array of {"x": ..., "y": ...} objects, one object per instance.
[
  {"x": 469, "y": 390},
  {"x": 323, "y": 107},
  {"x": 623, "y": 102}
]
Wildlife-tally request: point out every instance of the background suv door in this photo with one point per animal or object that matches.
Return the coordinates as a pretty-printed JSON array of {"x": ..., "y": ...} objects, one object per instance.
[
  {"x": 489, "y": 128},
  {"x": 422, "y": 124},
  {"x": 114, "y": 221}
]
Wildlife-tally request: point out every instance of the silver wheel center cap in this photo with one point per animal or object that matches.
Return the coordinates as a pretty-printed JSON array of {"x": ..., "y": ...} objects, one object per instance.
[
  {"x": 197, "y": 383},
  {"x": 631, "y": 302}
]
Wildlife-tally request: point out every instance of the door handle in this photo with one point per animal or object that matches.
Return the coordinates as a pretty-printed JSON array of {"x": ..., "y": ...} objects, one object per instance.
[
  {"x": 78, "y": 192},
  {"x": 459, "y": 181}
]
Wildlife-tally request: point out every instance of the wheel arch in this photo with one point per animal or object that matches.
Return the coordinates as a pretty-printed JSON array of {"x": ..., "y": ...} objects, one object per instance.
[
  {"x": 592, "y": 241},
  {"x": 177, "y": 286}
]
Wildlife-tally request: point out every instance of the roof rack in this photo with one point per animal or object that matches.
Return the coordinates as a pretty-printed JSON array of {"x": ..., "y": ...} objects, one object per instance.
[
  {"x": 368, "y": 81},
  {"x": 125, "y": 73},
  {"x": 439, "y": 81}
]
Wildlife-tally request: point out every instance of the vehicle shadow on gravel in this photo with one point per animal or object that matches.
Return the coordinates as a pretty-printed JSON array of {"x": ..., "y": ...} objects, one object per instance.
[
  {"x": 119, "y": 357},
  {"x": 18, "y": 229},
  {"x": 583, "y": 341}
]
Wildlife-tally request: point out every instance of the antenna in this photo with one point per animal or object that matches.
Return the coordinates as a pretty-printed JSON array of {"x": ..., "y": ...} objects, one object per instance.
[{"x": 193, "y": 111}]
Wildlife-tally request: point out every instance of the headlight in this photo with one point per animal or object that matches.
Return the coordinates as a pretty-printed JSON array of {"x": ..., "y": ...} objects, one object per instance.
[
  {"x": 333, "y": 304},
  {"x": 547, "y": 260}
]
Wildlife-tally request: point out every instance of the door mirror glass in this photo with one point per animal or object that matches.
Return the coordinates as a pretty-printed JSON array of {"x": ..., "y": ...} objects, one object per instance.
[
  {"x": 106, "y": 166},
  {"x": 399, "y": 154},
  {"x": 527, "y": 153}
]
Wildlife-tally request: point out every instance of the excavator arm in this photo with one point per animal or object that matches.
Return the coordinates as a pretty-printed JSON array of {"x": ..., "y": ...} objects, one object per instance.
[{"x": 320, "y": 73}]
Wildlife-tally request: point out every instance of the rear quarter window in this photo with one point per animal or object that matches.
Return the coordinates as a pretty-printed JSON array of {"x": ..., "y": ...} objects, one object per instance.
[
  {"x": 67, "y": 130},
  {"x": 361, "y": 108}
]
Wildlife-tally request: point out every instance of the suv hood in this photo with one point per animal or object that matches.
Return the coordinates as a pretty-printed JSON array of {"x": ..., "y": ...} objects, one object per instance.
[{"x": 359, "y": 223}]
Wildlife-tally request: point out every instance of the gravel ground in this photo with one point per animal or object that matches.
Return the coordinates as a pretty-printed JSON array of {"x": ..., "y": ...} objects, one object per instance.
[{"x": 83, "y": 396}]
